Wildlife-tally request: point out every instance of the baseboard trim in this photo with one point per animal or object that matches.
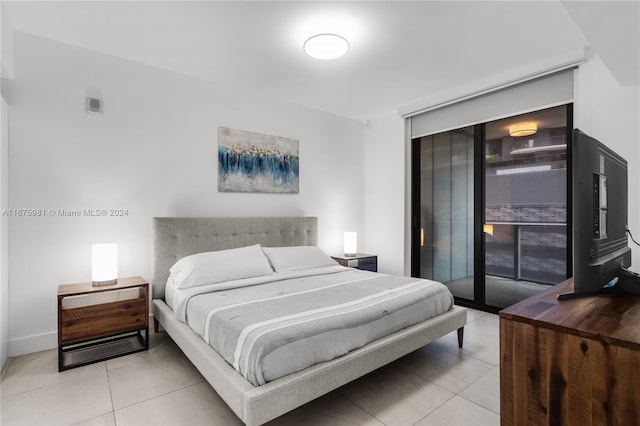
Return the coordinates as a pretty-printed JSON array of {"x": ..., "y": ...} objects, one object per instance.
[
  {"x": 38, "y": 342},
  {"x": 29, "y": 344},
  {"x": 5, "y": 367}
]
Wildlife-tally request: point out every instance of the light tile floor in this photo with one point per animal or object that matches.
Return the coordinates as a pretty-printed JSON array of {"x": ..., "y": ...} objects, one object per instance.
[{"x": 436, "y": 385}]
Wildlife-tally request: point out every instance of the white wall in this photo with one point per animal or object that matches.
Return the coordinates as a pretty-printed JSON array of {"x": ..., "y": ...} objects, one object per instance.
[
  {"x": 602, "y": 108},
  {"x": 4, "y": 143},
  {"x": 384, "y": 188},
  {"x": 153, "y": 152},
  {"x": 610, "y": 113},
  {"x": 4, "y": 234}
]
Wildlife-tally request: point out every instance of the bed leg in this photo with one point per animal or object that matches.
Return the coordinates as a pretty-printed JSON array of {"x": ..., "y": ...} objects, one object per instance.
[
  {"x": 460, "y": 336},
  {"x": 156, "y": 325}
]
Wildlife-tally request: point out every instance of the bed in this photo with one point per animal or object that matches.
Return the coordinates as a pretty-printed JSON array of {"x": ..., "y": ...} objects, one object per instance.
[{"x": 175, "y": 238}]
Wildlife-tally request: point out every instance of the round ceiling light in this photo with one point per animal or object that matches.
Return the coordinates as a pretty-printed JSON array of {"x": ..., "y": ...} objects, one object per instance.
[
  {"x": 326, "y": 46},
  {"x": 522, "y": 129}
]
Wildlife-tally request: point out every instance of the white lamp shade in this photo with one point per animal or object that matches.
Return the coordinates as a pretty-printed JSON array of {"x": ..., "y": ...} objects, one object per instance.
[
  {"x": 104, "y": 264},
  {"x": 350, "y": 243}
]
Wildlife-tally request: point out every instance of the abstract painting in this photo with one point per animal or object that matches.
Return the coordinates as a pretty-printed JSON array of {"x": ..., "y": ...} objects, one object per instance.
[{"x": 254, "y": 162}]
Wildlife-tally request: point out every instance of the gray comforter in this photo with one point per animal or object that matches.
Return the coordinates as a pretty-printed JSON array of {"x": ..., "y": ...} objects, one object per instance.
[{"x": 274, "y": 326}]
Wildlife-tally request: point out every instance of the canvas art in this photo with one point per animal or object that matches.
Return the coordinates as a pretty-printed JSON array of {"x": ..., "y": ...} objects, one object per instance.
[{"x": 254, "y": 162}]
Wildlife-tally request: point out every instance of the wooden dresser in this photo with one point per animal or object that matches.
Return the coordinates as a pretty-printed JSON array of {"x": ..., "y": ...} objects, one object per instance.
[{"x": 572, "y": 362}]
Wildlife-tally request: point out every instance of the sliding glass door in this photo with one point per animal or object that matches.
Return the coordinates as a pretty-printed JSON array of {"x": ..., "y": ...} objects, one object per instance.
[
  {"x": 445, "y": 213},
  {"x": 525, "y": 205},
  {"x": 490, "y": 207}
]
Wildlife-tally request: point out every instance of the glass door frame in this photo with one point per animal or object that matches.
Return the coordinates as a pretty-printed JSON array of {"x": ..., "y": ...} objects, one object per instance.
[{"x": 479, "y": 170}]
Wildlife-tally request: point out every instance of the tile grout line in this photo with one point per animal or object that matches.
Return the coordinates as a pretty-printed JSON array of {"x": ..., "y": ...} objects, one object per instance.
[
  {"x": 475, "y": 381},
  {"x": 492, "y": 368},
  {"x": 158, "y": 396},
  {"x": 453, "y": 394},
  {"x": 480, "y": 359},
  {"x": 101, "y": 414},
  {"x": 159, "y": 358},
  {"x": 75, "y": 379},
  {"x": 357, "y": 405},
  {"x": 481, "y": 406},
  {"x": 113, "y": 410},
  {"x": 33, "y": 356},
  {"x": 470, "y": 354},
  {"x": 434, "y": 410}
]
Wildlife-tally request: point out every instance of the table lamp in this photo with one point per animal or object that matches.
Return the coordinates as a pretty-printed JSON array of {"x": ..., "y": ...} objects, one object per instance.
[
  {"x": 104, "y": 264},
  {"x": 350, "y": 244}
]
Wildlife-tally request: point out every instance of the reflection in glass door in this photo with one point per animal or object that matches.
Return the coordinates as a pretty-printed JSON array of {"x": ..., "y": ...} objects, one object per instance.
[
  {"x": 525, "y": 206},
  {"x": 446, "y": 210}
]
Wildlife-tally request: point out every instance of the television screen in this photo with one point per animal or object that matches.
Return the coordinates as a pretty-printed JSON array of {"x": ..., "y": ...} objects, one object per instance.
[{"x": 599, "y": 201}]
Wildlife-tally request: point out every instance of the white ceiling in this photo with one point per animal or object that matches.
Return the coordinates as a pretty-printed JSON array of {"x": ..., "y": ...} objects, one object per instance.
[{"x": 401, "y": 52}]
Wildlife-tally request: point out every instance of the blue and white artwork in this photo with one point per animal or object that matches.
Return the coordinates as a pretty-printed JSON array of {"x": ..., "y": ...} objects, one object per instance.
[{"x": 254, "y": 162}]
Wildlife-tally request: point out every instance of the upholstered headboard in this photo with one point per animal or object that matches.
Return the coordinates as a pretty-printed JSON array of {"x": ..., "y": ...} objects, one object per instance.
[{"x": 176, "y": 237}]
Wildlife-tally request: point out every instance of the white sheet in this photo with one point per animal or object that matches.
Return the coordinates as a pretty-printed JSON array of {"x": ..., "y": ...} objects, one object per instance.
[
  {"x": 177, "y": 299},
  {"x": 273, "y": 326}
]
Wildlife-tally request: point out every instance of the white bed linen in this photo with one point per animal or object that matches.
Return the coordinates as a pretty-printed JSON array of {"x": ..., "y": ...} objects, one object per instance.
[
  {"x": 177, "y": 299},
  {"x": 278, "y": 297}
]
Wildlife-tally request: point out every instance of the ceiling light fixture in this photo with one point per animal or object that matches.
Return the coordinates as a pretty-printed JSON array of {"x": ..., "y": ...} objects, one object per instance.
[
  {"x": 326, "y": 46},
  {"x": 523, "y": 129}
]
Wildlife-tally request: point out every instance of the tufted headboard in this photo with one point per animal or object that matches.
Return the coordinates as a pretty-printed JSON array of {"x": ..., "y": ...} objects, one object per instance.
[{"x": 176, "y": 237}]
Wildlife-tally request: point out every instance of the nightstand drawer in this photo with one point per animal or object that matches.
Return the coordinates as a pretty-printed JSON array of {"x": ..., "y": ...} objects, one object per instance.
[
  {"x": 373, "y": 267},
  {"x": 90, "y": 322},
  {"x": 365, "y": 262}
]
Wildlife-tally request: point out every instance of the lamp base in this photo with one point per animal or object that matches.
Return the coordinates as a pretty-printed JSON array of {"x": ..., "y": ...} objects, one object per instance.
[
  {"x": 101, "y": 283},
  {"x": 350, "y": 254}
]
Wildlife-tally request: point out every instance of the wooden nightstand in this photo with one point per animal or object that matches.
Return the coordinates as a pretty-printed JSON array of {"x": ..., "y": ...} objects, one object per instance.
[
  {"x": 366, "y": 262},
  {"x": 102, "y": 322}
]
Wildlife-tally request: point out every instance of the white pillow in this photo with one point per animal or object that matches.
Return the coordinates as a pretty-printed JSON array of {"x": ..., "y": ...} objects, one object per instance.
[
  {"x": 218, "y": 266},
  {"x": 294, "y": 258}
]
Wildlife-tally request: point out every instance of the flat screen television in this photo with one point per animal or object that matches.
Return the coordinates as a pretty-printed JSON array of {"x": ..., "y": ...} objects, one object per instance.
[{"x": 601, "y": 254}]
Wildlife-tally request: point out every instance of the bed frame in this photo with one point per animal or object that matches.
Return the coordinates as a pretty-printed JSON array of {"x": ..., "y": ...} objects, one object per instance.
[{"x": 176, "y": 237}]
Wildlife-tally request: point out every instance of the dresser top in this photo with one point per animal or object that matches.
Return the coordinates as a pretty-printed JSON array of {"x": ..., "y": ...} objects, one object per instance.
[
  {"x": 65, "y": 290},
  {"x": 615, "y": 320}
]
